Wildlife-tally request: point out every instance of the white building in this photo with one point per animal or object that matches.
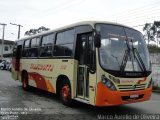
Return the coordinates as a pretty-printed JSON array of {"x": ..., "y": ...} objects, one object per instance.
[{"x": 7, "y": 48}]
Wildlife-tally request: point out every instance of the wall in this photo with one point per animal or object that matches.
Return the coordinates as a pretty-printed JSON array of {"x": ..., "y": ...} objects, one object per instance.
[{"x": 155, "y": 60}]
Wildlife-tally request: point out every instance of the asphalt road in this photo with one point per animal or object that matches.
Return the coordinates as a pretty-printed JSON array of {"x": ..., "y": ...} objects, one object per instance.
[{"x": 40, "y": 105}]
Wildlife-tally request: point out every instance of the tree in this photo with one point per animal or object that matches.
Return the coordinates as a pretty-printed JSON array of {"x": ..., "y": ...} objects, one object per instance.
[
  {"x": 157, "y": 25},
  {"x": 158, "y": 33},
  {"x": 149, "y": 31},
  {"x": 152, "y": 31},
  {"x": 42, "y": 29},
  {"x": 36, "y": 31}
]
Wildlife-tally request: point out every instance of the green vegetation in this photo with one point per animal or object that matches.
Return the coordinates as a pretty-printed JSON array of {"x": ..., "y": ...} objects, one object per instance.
[{"x": 153, "y": 49}]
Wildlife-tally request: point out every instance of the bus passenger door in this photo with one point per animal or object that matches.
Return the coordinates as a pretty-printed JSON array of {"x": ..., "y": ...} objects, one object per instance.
[
  {"x": 16, "y": 61},
  {"x": 82, "y": 52}
]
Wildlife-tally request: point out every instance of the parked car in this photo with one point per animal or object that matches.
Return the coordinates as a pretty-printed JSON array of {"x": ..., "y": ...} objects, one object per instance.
[
  {"x": 8, "y": 66},
  {"x": 2, "y": 64}
]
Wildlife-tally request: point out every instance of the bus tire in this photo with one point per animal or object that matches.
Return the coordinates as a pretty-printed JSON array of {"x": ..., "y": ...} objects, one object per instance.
[
  {"x": 65, "y": 93},
  {"x": 25, "y": 81}
]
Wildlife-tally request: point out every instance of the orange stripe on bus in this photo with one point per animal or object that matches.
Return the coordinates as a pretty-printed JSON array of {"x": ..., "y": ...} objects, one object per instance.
[
  {"x": 141, "y": 81},
  {"x": 41, "y": 82},
  {"x": 49, "y": 86}
]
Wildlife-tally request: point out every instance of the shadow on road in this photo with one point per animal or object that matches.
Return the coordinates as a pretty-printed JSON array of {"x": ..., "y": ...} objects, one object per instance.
[{"x": 88, "y": 109}]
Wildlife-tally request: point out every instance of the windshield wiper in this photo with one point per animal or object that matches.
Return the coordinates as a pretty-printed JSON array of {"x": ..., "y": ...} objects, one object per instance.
[
  {"x": 139, "y": 60},
  {"x": 124, "y": 61},
  {"x": 127, "y": 55},
  {"x": 136, "y": 56}
]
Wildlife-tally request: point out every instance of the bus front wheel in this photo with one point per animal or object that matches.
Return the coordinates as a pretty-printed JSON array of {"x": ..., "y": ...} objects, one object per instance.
[
  {"x": 25, "y": 81},
  {"x": 65, "y": 93}
]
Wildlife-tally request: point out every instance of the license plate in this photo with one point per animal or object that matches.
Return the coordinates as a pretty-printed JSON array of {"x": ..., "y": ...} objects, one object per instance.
[{"x": 134, "y": 96}]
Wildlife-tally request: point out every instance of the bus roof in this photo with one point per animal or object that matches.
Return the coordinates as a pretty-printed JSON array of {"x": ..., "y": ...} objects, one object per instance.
[{"x": 92, "y": 23}]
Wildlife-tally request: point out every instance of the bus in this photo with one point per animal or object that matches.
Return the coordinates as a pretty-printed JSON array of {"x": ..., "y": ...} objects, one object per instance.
[{"x": 94, "y": 62}]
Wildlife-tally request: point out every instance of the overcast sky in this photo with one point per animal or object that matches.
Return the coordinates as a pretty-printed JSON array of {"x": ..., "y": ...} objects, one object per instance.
[{"x": 57, "y": 13}]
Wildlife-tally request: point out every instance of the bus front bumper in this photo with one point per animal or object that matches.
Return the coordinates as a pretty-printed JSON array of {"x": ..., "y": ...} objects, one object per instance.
[{"x": 106, "y": 97}]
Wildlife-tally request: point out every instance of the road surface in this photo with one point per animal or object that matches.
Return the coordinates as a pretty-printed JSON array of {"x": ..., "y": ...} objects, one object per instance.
[{"x": 16, "y": 104}]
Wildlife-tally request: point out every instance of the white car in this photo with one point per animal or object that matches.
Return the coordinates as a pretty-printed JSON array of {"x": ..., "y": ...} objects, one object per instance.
[
  {"x": 9, "y": 66},
  {"x": 2, "y": 64}
]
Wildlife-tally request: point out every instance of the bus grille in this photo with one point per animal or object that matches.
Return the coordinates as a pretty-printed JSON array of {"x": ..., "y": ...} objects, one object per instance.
[{"x": 131, "y": 87}]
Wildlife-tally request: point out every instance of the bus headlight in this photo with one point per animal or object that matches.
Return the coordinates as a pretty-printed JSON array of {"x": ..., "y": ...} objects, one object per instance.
[
  {"x": 114, "y": 79},
  {"x": 150, "y": 83},
  {"x": 108, "y": 83}
]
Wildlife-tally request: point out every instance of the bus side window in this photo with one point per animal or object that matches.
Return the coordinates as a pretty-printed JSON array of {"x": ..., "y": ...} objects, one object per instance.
[
  {"x": 46, "y": 46},
  {"x": 46, "y": 51},
  {"x": 63, "y": 50},
  {"x": 26, "y": 52},
  {"x": 64, "y": 43},
  {"x": 33, "y": 52}
]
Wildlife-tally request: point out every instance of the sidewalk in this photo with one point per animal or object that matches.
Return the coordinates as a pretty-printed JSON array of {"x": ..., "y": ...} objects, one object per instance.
[{"x": 156, "y": 89}]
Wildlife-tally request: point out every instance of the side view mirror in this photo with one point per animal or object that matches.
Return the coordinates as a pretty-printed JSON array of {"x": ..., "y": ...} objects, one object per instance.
[{"x": 97, "y": 40}]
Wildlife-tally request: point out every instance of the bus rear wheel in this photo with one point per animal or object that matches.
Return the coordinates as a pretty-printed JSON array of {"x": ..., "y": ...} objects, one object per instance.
[
  {"x": 65, "y": 93},
  {"x": 25, "y": 81}
]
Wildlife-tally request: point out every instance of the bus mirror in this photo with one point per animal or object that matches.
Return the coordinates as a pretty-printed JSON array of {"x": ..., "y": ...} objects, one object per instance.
[{"x": 97, "y": 40}]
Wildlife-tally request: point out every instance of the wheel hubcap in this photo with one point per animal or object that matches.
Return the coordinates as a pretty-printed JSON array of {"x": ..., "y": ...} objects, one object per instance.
[{"x": 66, "y": 92}]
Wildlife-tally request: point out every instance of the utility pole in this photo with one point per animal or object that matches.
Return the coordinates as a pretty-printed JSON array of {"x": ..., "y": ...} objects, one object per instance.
[
  {"x": 19, "y": 28},
  {"x": 2, "y": 38}
]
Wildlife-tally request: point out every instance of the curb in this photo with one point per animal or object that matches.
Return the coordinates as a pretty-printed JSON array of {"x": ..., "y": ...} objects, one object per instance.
[{"x": 157, "y": 91}]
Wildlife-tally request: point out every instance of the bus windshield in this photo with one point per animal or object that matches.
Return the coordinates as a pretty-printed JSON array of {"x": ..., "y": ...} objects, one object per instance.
[{"x": 122, "y": 49}]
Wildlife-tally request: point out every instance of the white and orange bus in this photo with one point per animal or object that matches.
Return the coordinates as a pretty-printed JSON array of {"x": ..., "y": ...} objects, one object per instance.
[{"x": 98, "y": 63}]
